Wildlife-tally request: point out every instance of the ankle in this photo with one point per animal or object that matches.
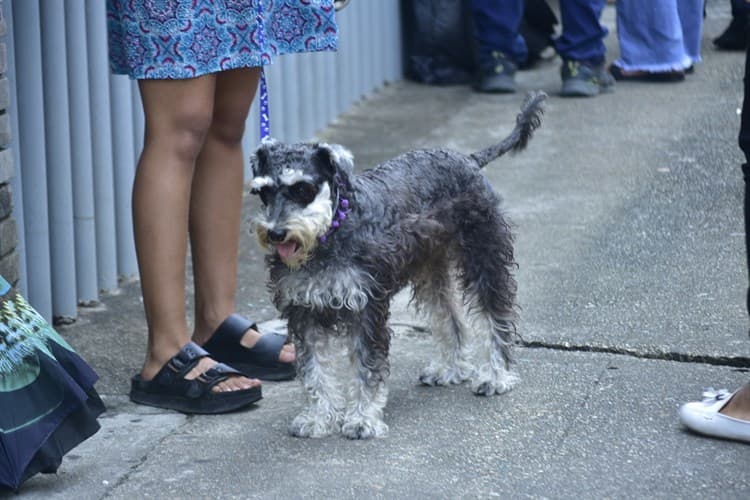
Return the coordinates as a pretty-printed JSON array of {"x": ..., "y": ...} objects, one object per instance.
[
  {"x": 739, "y": 406},
  {"x": 207, "y": 322}
]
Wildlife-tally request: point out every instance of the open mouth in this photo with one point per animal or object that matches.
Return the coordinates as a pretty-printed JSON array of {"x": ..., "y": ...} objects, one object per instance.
[{"x": 286, "y": 249}]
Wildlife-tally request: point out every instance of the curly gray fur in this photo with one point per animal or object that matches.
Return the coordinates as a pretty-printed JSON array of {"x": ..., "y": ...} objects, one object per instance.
[{"x": 414, "y": 220}]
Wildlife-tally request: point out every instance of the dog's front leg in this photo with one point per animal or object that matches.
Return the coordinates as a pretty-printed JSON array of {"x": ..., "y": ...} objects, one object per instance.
[
  {"x": 325, "y": 398},
  {"x": 370, "y": 343}
]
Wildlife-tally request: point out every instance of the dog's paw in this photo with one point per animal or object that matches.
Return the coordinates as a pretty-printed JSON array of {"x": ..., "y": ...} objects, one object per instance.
[
  {"x": 310, "y": 425},
  {"x": 364, "y": 428},
  {"x": 489, "y": 383},
  {"x": 445, "y": 375}
]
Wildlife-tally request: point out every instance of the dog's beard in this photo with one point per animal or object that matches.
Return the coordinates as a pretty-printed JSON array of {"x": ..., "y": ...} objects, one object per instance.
[{"x": 303, "y": 230}]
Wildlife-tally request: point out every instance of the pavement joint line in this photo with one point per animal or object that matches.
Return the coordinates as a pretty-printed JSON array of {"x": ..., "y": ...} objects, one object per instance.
[
  {"x": 730, "y": 361},
  {"x": 133, "y": 468},
  {"x": 584, "y": 401}
]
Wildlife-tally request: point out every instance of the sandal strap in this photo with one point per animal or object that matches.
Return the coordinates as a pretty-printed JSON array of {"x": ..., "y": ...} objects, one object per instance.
[
  {"x": 217, "y": 373},
  {"x": 229, "y": 333},
  {"x": 186, "y": 359}
]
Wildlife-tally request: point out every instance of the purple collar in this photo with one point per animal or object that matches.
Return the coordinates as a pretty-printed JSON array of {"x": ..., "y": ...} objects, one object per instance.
[{"x": 342, "y": 209}]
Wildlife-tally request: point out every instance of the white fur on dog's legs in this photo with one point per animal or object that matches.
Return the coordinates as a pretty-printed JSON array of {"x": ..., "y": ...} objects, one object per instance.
[
  {"x": 452, "y": 366},
  {"x": 367, "y": 398},
  {"x": 494, "y": 376},
  {"x": 324, "y": 412}
]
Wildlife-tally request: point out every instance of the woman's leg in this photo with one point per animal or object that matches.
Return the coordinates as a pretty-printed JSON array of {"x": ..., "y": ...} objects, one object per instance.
[
  {"x": 216, "y": 204},
  {"x": 650, "y": 36},
  {"x": 691, "y": 19},
  {"x": 583, "y": 35},
  {"x": 178, "y": 115}
]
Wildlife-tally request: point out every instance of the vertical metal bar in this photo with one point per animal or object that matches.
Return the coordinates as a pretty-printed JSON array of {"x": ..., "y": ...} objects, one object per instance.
[
  {"x": 17, "y": 181},
  {"x": 101, "y": 143},
  {"x": 304, "y": 113},
  {"x": 316, "y": 99},
  {"x": 30, "y": 97},
  {"x": 291, "y": 78},
  {"x": 80, "y": 145},
  {"x": 139, "y": 119},
  {"x": 57, "y": 136},
  {"x": 250, "y": 139},
  {"x": 396, "y": 49},
  {"x": 359, "y": 57},
  {"x": 276, "y": 106},
  {"x": 124, "y": 171},
  {"x": 345, "y": 58},
  {"x": 329, "y": 88}
]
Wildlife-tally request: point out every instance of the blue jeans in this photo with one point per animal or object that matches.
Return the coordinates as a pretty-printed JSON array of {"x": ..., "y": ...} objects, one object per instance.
[
  {"x": 659, "y": 36},
  {"x": 497, "y": 23}
]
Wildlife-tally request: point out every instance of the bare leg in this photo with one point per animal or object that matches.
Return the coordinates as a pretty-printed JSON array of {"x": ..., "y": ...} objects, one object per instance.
[
  {"x": 178, "y": 114},
  {"x": 216, "y": 204}
]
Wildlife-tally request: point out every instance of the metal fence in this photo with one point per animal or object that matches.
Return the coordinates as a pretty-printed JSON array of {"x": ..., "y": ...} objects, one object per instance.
[{"x": 79, "y": 131}]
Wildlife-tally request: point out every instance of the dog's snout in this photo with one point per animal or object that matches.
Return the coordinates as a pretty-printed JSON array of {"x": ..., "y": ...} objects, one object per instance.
[{"x": 277, "y": 235}]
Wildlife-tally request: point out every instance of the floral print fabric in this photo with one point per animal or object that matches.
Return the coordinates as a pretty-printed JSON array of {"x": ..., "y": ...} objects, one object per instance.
[{"x": 174, "y": 39}]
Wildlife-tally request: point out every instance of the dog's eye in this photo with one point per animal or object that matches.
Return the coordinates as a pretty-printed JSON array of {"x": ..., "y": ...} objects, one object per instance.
[
  {"x": 303, "y": 192},
  {"x": 265, "y": 193}
]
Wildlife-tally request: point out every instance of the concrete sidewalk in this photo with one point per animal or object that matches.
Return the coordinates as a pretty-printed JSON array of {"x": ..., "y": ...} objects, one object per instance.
[{"x": 628, "y": 215}]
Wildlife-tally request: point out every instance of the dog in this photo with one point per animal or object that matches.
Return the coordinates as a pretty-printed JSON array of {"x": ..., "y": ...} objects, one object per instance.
[{"x": 341, "y": 245}]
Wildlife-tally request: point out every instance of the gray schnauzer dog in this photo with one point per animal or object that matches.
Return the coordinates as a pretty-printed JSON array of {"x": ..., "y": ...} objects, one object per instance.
[{"x": 342, "y": 245}]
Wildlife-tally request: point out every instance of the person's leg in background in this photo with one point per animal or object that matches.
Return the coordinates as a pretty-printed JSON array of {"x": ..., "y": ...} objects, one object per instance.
[
  {"x": 501, "y": 47},
  {"x": 658, "y": 41},
  {"x": 691, "y": 20},
  {"x": 581, "y": 46},
  {"x": 737, "y": 35}
]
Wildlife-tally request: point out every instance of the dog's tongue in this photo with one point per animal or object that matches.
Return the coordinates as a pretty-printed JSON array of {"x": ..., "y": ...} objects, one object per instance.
[{"x": 286, "y": 249}]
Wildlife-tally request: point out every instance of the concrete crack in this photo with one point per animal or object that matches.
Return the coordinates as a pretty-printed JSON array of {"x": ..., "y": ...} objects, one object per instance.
[{"x": 732, "y": 361}]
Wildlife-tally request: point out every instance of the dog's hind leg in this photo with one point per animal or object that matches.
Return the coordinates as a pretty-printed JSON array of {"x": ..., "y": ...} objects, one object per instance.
[
  {"x": 370, "y": 342},
  {"x": 486, "y": 259},
  {"x": 316, "y": 370},
  {"x": 434, "y": 295}
]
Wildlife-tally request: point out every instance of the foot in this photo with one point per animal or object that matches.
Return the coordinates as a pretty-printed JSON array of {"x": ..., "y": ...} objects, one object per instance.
[
  {"x": 154, "y": 363},
  {"x": 249, "y": 339},
  {"x": 620, "y": 74},
  {"x": 721, "y": 414},
  {"x": 736, "y": 36},
  {"x": 583, "y": 80},
  {"x": 739, "y": 406},
  {"x": 497, "y": 75},
  {"x": 257, "y": 350}
]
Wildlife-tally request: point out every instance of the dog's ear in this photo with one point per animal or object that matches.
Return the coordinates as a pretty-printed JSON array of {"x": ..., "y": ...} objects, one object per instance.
[
  {"x": 334, "y": 158},
  {"x": 259, "y": 160}
]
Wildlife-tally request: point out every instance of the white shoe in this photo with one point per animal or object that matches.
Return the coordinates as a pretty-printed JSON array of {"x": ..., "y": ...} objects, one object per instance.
[{"x": 704, "y": 417}]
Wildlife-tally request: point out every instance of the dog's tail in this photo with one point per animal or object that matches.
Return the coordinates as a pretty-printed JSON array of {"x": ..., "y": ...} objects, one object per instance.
[{"x": 527, "y": 121}]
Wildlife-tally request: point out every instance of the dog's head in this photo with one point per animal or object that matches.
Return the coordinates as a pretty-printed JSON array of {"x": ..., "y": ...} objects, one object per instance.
[{"x": 300, "y": 188}]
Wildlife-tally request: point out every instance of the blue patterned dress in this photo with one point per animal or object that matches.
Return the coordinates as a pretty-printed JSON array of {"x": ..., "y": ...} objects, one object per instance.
[{"x": 174, "y": 39}]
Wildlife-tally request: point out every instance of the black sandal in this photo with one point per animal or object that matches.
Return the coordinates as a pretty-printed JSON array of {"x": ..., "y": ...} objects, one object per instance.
[
  {"x": 171, "y": 390},
  {"x": 260, "y": 361}
]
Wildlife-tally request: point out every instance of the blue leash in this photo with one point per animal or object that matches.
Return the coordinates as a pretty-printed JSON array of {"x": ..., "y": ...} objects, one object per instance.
[
  {"x": 265, "y": 114},
  {"x": 265, "y": 118}
]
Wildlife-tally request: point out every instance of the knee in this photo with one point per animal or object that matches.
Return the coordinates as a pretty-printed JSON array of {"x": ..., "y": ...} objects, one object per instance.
[
  {"x": 228, "y": 126},
  {"x": 182, "y": 135}
]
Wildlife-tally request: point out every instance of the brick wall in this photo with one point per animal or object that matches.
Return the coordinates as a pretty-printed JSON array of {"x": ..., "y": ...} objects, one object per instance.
[{"x": 8, "y": 234}]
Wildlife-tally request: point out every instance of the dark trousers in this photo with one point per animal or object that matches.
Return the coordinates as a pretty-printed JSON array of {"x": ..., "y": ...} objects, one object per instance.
[
  {"x": 744, "y": 140},
  {"x": 498, "y": 21},
  {"x": 740, "y": 7}
]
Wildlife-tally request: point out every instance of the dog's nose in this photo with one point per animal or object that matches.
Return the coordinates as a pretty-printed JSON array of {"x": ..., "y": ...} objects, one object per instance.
[{"x": 276, "y": 235}]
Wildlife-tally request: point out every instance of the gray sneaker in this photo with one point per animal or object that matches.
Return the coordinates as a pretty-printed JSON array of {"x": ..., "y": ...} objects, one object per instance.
[
  {"x": 582, "y": 80},
  {"x": 497, "y": 75}
]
